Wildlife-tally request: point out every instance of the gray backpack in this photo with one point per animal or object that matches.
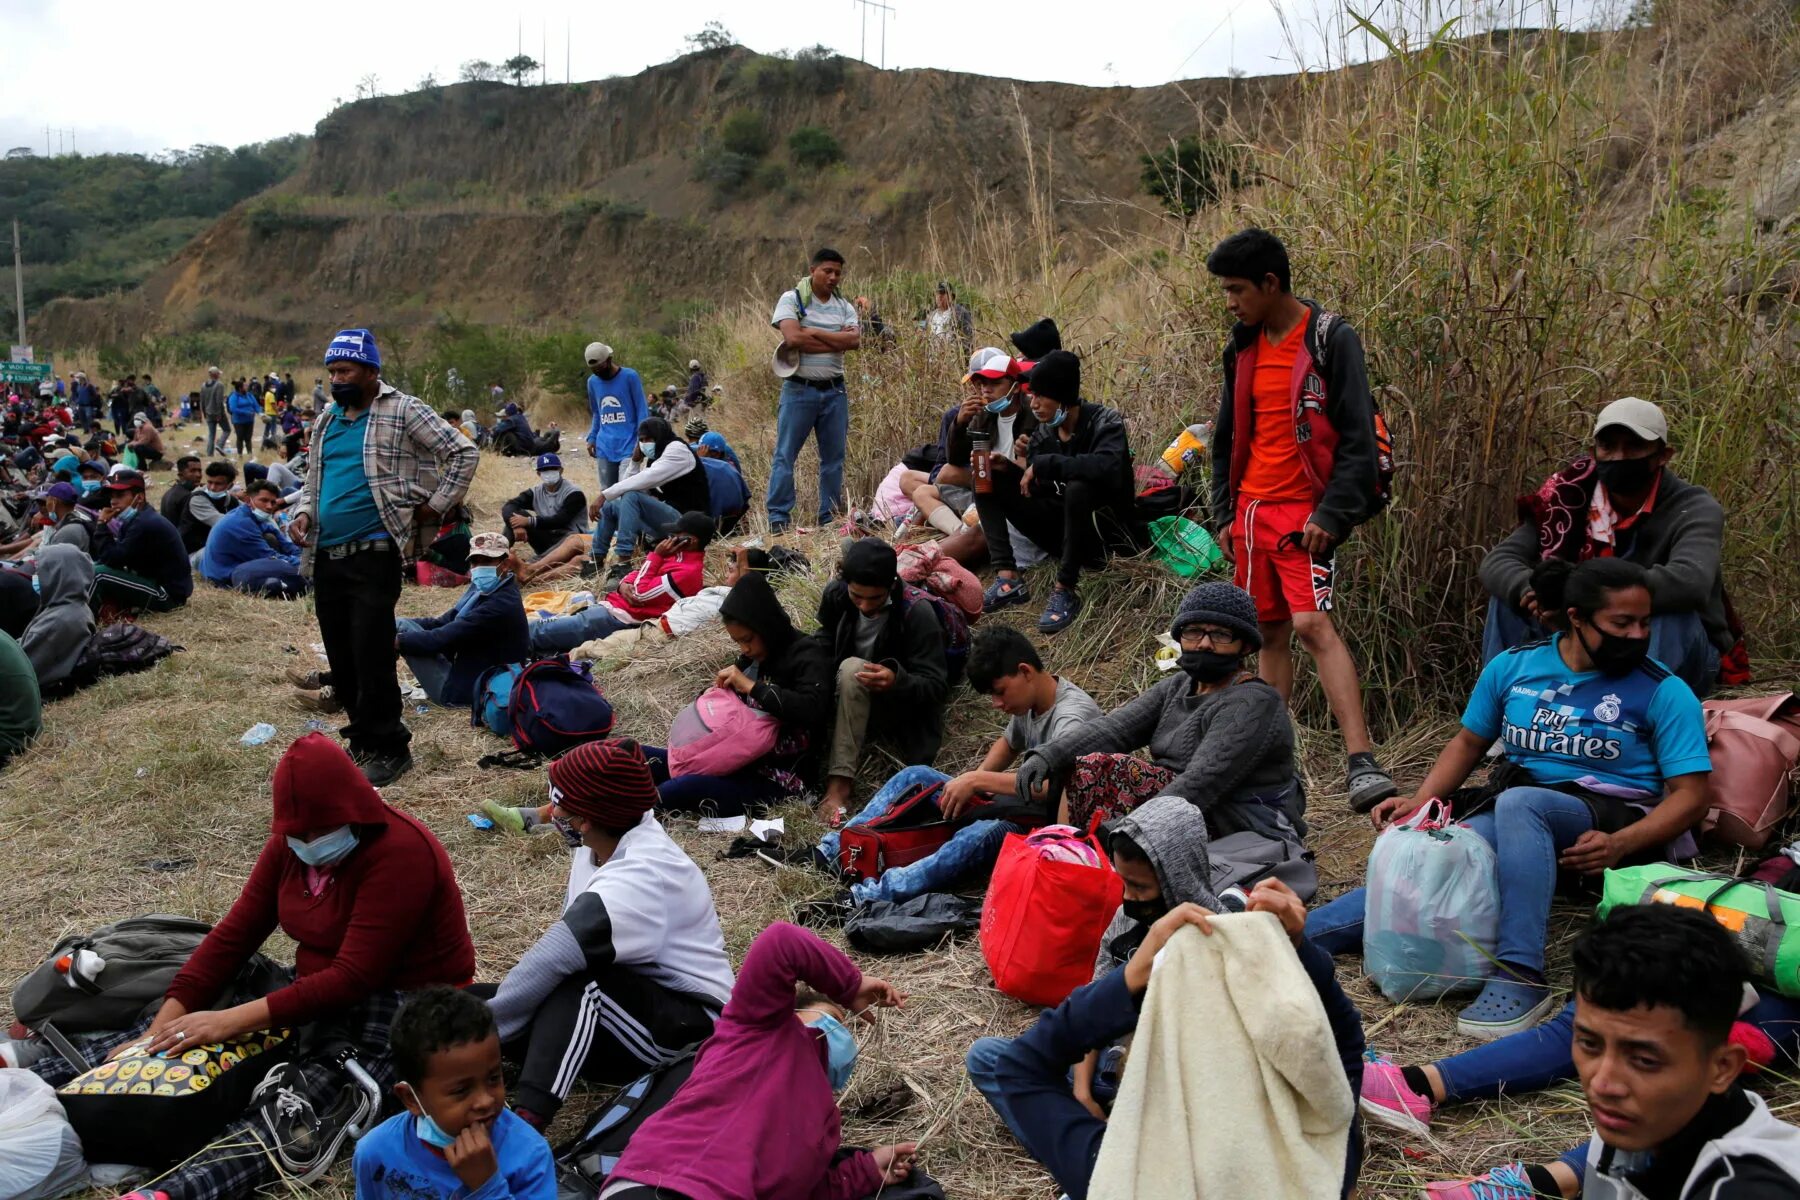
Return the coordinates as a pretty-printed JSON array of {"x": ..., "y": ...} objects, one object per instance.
[
  {"x": 1241, "y": 859},
  {"x": 142, "y": 956}
]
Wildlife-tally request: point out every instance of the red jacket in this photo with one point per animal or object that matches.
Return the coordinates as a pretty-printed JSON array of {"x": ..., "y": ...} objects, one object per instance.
[
  {"x": 389, "y": 918},
  {"x": 661, "y": 582}
]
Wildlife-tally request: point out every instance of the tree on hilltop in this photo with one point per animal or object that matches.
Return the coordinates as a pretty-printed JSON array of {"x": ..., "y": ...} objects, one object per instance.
[
  {"x": 519, "y": 66},
  {"x": 479, "y": 70},
  {"x": 713, "y": 37}
]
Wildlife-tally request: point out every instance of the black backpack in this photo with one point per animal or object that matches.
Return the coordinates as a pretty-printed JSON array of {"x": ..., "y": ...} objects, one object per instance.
[
  {"x": 582, "y": 1166},
  {"x": 123, "y": 649}
]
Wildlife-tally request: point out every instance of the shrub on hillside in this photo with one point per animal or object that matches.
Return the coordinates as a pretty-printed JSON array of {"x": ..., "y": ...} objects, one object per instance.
[
  {"x": 819, "y": 68},
  {"x": 1192, "y": 174},
  {"x": 745, "y": 132},
  {"x": 814, "y": 147}
]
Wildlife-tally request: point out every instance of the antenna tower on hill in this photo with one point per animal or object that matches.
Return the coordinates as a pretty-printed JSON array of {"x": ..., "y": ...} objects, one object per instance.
[{"x": 885, "y": 10}]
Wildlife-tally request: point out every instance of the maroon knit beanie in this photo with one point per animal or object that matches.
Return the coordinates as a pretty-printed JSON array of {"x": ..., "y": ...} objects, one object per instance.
[{"x": 606, "y": 782}]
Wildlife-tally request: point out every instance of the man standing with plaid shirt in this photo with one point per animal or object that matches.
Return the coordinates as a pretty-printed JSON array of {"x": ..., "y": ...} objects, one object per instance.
[{"x": 384, "y": 470}]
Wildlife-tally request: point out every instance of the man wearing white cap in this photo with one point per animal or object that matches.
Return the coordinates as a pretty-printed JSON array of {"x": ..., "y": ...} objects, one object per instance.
[
  {"x": 616, "y": 401},
  {"x": 1620, "y": 500},
  {"x": 696, "y": 385}
]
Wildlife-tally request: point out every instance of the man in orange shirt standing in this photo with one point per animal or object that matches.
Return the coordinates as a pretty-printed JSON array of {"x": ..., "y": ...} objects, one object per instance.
[{"x": 1297, "y": 464}]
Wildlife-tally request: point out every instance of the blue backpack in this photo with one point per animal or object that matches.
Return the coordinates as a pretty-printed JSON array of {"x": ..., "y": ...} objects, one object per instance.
[
  {"x": 493, "y": 696},
  {"x": 556, "y": 706},
  {"x": 727, "y": 494}
]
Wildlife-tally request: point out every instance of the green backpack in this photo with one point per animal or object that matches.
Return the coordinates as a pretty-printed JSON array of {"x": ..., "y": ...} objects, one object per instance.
[{"x": 1763, "y": 920}]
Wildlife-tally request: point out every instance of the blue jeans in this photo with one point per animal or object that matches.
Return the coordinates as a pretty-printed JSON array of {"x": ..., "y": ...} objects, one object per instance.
[
  {"x": 970, "y": 849},
  {"x": 270, "y": 577},
  {"x": 1527, "y": 827},
  {"x": 431, "y": 670},
  {"x": 559, "y": 635},
  {"x": 629, "y": 517},
  {"x": 1677, "y": 640},
  {"x": 609, "y": 472},
  {"x": 803, "y": 410},
  {"x": 711, "y": 795}
]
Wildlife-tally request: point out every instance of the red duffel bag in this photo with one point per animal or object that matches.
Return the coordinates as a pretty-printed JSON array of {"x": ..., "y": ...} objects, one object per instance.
[
  {"x": 1755, "y": 745},
  {"x": 1053, "y": 894},
  {"x": 914, "y": 828}
]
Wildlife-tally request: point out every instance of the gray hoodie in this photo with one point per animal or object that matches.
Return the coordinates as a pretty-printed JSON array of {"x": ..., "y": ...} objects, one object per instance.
[
  {"x": 58, "y": 635},
  {"x": 1172, "y": 834}
]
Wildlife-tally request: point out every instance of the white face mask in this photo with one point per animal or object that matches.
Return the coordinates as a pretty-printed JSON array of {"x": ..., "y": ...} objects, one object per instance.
[{"x": 550, "y": 478}]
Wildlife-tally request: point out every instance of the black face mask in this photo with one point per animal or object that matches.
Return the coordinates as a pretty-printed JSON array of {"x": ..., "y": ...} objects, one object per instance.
[
  {"x": 1144, "y": 912},
  {"x": 349, "y": 395},
  {"x": 1615, "y": 655},
  {"x": 1627, "y": 475},
  {"x": 1208, "y": 666}
]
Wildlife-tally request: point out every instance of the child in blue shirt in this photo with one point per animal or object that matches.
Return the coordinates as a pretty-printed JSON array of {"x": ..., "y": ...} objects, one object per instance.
[
  {"x": 1612, "y": 750},
  {"x": 456, "y": 1139}
]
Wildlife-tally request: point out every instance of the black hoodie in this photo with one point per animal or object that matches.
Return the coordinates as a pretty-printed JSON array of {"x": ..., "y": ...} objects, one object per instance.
[{"x": 794, "y": 679}]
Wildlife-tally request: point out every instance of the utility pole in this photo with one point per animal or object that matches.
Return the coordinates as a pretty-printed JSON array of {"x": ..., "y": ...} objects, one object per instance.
[
  {"x": 884, "y": 9},
  {"x": 18, "y": 282}
]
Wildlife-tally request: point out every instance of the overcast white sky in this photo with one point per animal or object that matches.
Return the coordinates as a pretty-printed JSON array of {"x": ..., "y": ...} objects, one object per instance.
[{"x": 122, "y": 75}]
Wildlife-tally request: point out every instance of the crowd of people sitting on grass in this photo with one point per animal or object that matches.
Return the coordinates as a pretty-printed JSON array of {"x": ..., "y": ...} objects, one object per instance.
[{"x": 1607, "y": 622}]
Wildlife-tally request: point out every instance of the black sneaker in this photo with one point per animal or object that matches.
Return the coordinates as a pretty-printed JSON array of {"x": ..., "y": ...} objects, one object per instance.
[
  {"x": 383, "y": 769},
  {"x": 590, "y": 567},
  {"x": 1369, "y": 784},
  {"x": 829, "y": 913},
  {"x": 306, "y": 1140},
  {"x": 616, "y": 575}
]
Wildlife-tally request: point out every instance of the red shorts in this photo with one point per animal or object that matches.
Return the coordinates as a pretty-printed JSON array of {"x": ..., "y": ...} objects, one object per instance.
[{"x": 1281, "y": 577}]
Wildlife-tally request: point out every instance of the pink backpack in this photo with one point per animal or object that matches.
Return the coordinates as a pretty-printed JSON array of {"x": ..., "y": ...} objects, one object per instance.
[{"x": 721, "y": 733}]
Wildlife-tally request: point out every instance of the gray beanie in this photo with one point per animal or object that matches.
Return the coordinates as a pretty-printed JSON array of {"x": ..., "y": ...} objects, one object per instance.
[{"x": 1223, "y": 604}]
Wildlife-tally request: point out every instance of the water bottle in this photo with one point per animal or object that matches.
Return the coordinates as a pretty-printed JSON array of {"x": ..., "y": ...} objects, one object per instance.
[
  {"x": 1189, "y": 448},
  {"x": 257, "y": 734},
  {"x": 981, "y": 464}
]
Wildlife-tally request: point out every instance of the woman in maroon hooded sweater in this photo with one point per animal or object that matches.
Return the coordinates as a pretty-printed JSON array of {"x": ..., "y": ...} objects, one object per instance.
[{"x": 368, "y": 896}]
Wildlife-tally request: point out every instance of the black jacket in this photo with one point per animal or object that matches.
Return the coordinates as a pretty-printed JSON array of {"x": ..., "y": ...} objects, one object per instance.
[
  {"x": 961, "y": 440},
  {"x": 1099, "y": 455},
  {"x": 910, "y": 715},
  {"x": 478, "y": 632},
  {"x": 148, "y": 545},
  {"x": 794, "y": 680},
  {"x": 546, "y": 531}
]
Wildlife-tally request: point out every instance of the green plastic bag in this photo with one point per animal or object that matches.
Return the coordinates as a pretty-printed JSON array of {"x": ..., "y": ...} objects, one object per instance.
[
  {"x": 129, "y": 457},
  {"x": 1763, "y": 920},
  {"x": 1183, "y": 546}
]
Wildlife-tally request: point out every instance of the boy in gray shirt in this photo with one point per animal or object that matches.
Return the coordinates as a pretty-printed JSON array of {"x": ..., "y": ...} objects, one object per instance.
[{"x": 1004, "y": 666}]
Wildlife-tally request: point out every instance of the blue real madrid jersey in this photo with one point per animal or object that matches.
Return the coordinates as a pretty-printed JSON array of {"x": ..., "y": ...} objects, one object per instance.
[{"x": 1628, "y": 732}]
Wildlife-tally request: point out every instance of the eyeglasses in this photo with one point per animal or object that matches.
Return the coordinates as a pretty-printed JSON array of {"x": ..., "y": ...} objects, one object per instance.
[{"x": 1197, "y": 636}]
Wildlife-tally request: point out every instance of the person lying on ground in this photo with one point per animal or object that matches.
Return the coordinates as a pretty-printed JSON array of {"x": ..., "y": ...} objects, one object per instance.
[
  {"x": 780, "y": 672},
  {"x": 21, "y": 712},
  {"x": 369, "y": 896},
  {"x": 188, "y": 474},
  {"x": 893, "y": 679},
  {"x": 249, "y": 551},
  {"x": 1609, "y": 753},
  {"x": 57, "y": 638},
  {"x": 1296, "y": 467},
  {"x": 1657, "y": 988},
  {"x": 1005, "y": 667},
  {"x": 768, "y": 1078},
  {"x": 485, "y": 628},
  {"x": 1076, "y": 497},
  {"x": 635, "y": 969},
  {"x": 207, "y": 506},
  {"x": 1620, "y": 500},
  {"x": 675, "y": 569},
  {"x": 140, "y": 560},
  {"x": 1026, "y": 1079},
  {"x": 544, "y": 515},
  {"x": 660, "y": 481},
  {"x": 1218, "y": 736},
  {"x": 455, "y": 1138}
]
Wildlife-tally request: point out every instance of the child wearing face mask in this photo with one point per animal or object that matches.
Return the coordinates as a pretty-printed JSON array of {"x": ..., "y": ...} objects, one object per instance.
[
  {"x": 758, "y": 1118},
  {"x": 486, "y": 628},
  {"x": 456, "y": 1138}
]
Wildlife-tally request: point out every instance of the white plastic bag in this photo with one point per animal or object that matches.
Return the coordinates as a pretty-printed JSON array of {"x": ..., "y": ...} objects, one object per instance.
[
  {"x": 1433, "y": 914},
  {"x": 40, "y": 1156}
]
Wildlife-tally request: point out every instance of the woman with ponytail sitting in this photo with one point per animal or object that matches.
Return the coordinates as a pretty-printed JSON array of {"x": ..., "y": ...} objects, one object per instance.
[{"x": 1611, "y": 751}]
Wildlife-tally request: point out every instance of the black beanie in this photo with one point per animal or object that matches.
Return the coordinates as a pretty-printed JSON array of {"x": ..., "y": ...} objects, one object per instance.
[
  {"x": 698, "y": 526},
  {"x": 1057, "y": 377},
  {"x": 1037, "y": 339},
  {"x": 870, "y": 562}
]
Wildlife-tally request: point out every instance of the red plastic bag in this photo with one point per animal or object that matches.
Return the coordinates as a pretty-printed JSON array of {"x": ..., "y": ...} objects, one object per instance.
[{"x": 1043, "y": 919}]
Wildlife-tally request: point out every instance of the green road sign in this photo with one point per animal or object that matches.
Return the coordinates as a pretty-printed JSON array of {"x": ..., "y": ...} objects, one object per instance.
[{"x": 23, "y": 372}]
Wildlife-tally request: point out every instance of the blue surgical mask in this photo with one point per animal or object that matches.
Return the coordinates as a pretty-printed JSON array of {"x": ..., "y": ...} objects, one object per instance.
[
  {"x": 89, "y": 486},
  {"x": 647, "y": 449},
  {"x": 840, "y": 1050},
  {"x": 128, "y": 514},
  {"x": 426, "y": 1126},
  {"x": 1053, "y": 422},
  {"x": 485, "y": 579},
  {"x": 219, "y": 495},
  {"x": 326, "y": 850},
  {"x": 1000, "y": 405}
]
